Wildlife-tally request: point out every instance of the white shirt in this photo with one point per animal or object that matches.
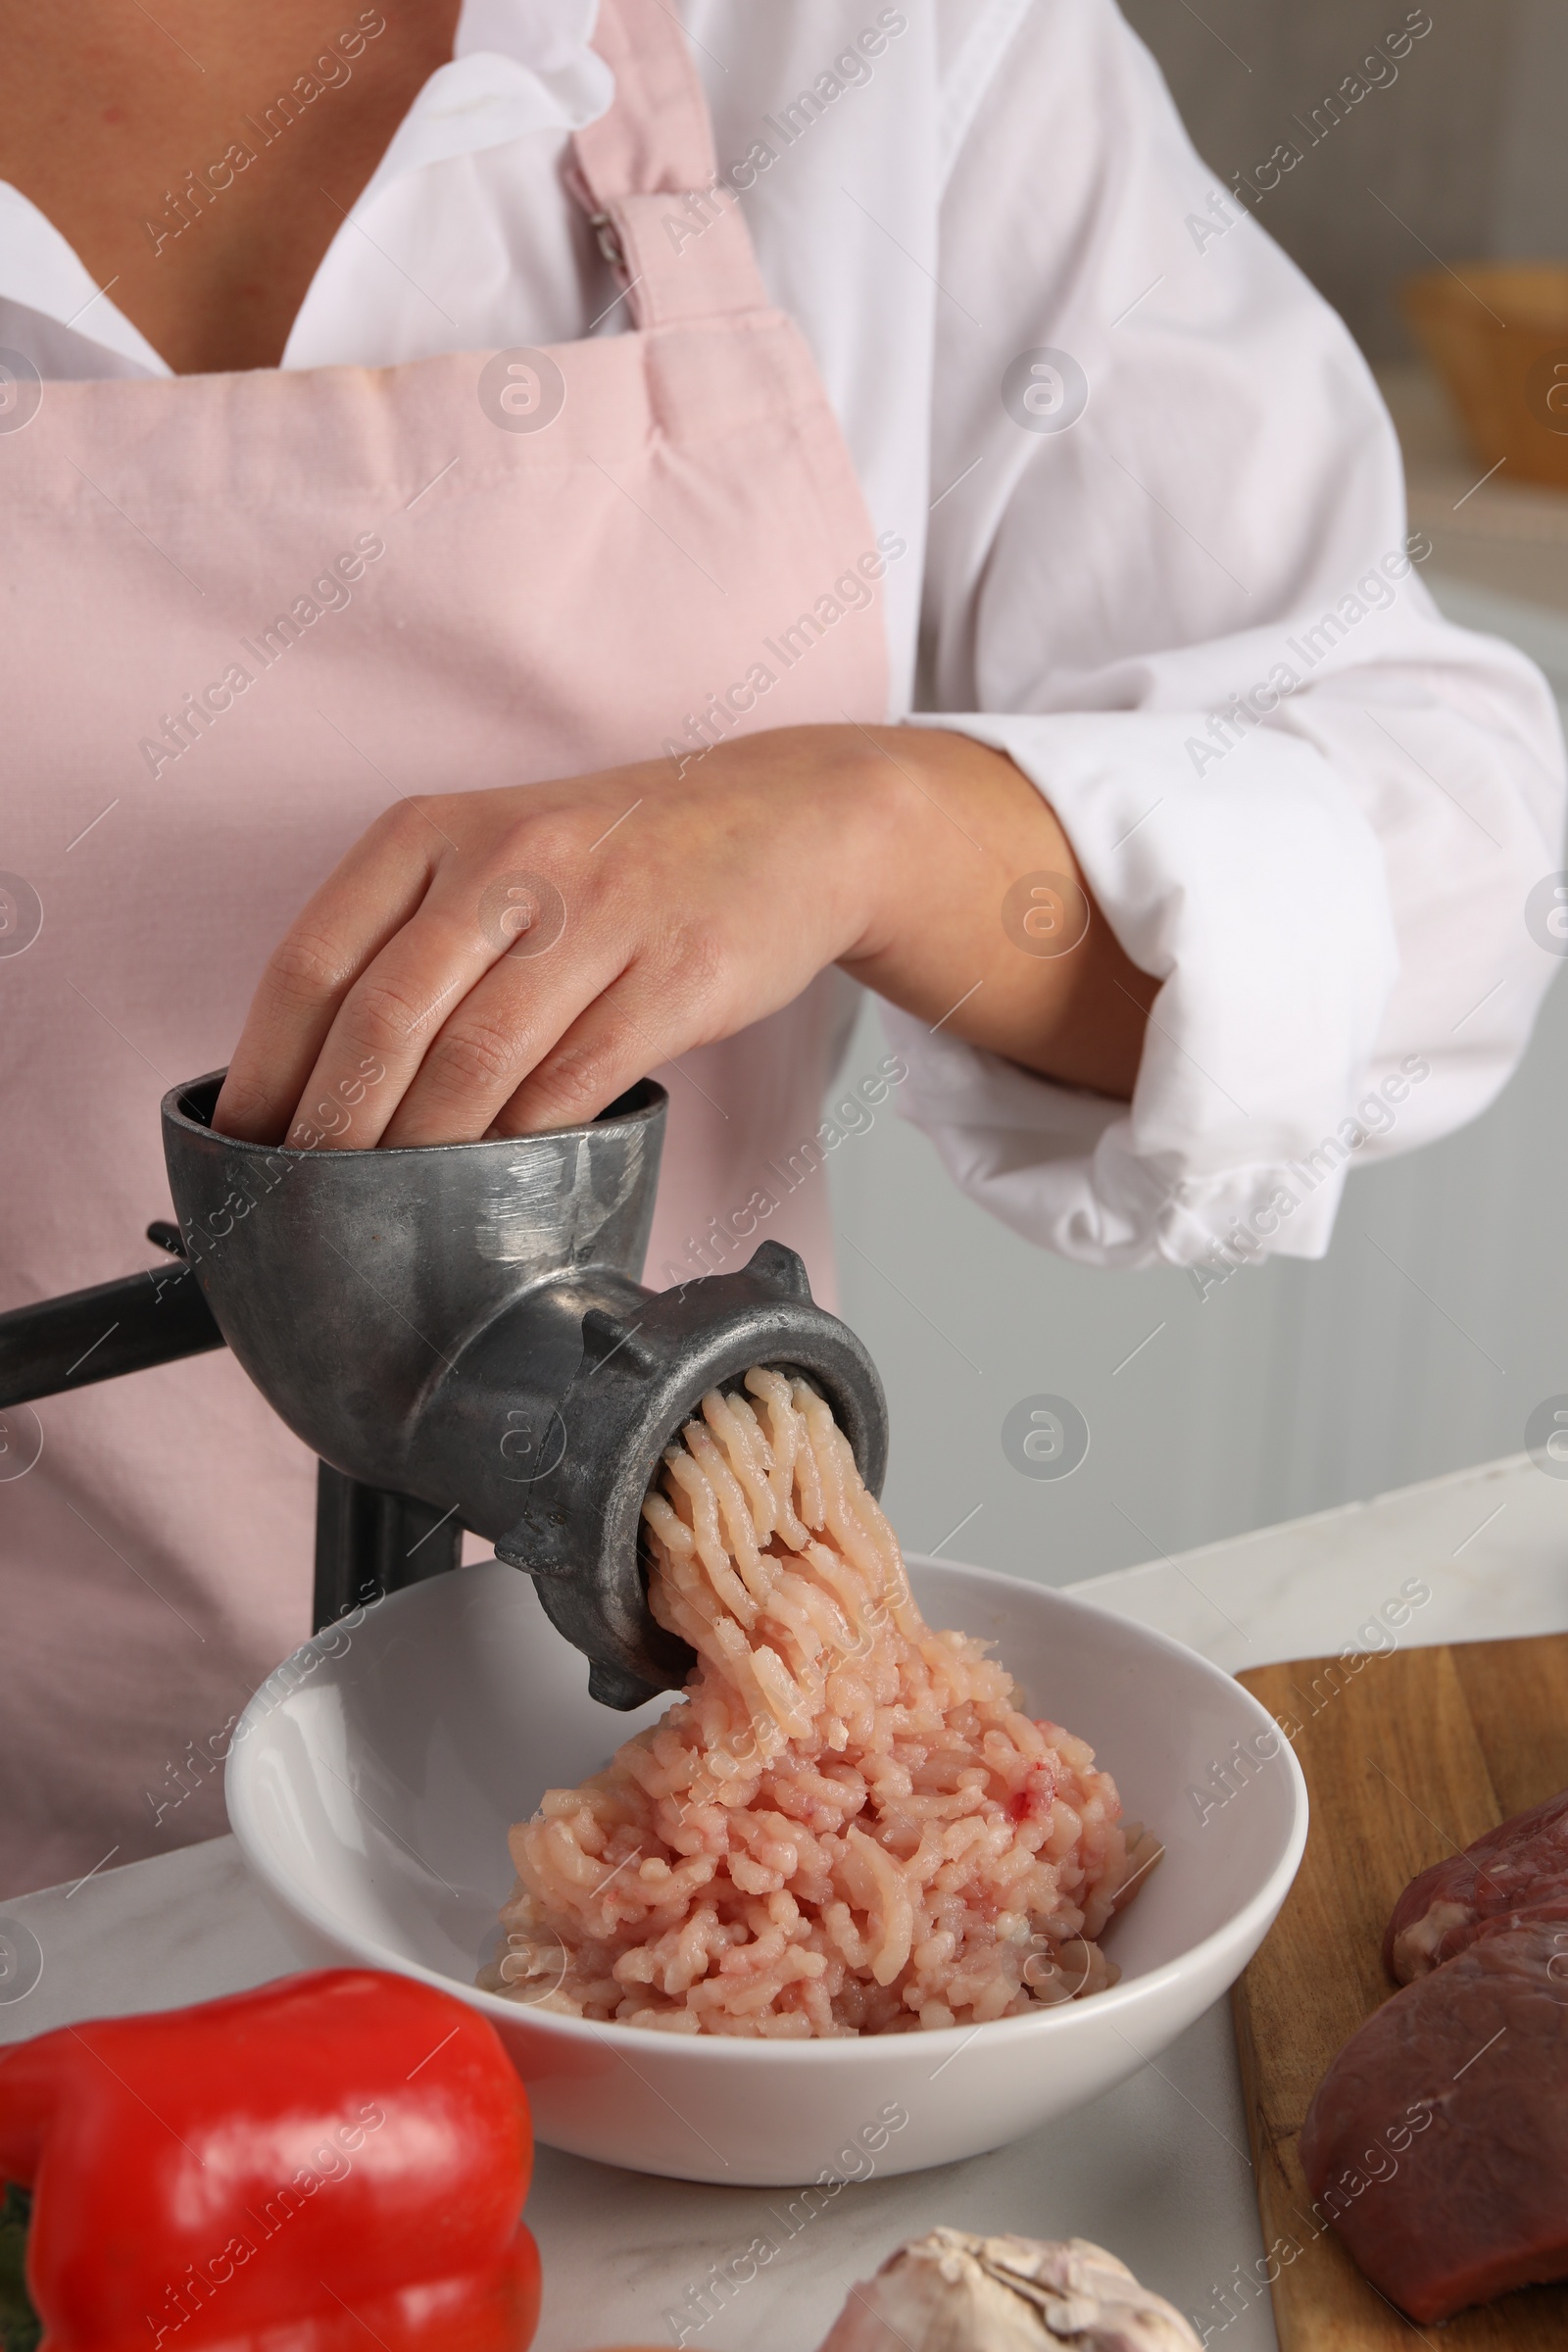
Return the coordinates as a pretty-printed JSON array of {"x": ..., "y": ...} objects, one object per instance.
[{"x": 1330, "y": 884}]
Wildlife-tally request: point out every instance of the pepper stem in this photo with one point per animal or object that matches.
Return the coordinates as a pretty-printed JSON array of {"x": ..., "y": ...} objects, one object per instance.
[{"x": 19, "y": 2325}]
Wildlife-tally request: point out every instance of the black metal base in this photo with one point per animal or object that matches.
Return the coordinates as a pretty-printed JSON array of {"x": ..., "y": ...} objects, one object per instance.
[{"x": 370, "y": 1543}]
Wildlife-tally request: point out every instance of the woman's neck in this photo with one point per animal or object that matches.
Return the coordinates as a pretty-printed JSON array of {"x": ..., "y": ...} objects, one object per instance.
[{"x": 201, "y": 159}]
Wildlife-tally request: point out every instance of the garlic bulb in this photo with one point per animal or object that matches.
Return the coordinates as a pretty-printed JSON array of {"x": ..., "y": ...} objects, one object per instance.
[{"x": 953, "y": 2292}]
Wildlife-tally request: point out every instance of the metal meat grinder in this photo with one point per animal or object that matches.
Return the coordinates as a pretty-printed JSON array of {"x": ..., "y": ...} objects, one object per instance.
[{"x": 460, "y": 1333}]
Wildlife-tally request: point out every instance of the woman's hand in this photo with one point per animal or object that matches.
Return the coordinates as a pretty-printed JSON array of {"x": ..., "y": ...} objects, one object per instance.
[{"x": 502, "y": 962}]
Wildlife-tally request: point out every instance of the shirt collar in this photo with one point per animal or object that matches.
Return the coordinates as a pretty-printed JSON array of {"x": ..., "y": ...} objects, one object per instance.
[
  {"x": 41, "y": 272},
  {"x": 517, "y": 68}
]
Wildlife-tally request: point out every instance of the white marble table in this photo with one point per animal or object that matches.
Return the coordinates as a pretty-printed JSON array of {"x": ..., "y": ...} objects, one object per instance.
[{"x": 1159, "y": 2170}]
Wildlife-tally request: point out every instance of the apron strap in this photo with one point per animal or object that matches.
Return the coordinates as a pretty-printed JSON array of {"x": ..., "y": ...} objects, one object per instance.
[{"x": 646, "y": 175}]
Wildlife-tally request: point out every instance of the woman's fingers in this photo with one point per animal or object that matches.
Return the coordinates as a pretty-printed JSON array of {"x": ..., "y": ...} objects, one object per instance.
[
  {"x": 495, "y": 965},
  {"x": 676, "y": 997},
  {"x": 364, "y": 903},
  {"x": 493, "y": 1036},
  {"x": 428, "y": 974},
  {"x": 625, "y": 1031}
]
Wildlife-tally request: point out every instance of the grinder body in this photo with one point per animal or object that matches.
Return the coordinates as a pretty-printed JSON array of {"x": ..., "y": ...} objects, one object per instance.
[{"x": 461, "y": 1333}]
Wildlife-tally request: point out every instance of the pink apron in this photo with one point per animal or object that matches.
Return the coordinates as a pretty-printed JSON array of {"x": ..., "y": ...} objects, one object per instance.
[{"x": 241, "y": 612}]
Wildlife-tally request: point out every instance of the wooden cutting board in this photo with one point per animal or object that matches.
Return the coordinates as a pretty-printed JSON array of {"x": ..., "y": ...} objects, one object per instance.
[{"x": 1407, "y": 1758}]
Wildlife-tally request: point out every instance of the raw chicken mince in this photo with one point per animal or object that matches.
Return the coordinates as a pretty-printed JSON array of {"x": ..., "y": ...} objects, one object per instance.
[{"x": 846, "y": 1823}]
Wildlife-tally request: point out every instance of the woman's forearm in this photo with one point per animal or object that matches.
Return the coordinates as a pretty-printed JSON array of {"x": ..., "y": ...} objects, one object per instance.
[{"x": 982, "y": 923}]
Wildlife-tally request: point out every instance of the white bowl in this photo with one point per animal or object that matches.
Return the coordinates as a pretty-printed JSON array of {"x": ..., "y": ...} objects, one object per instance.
[{"x": 373, "y": 1777}]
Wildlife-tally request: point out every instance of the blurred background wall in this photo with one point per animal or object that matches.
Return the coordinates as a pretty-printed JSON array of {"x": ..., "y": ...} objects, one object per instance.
[
  {"x": 1466, "y": 147},
  {"x": 1440, "y": 1318}
]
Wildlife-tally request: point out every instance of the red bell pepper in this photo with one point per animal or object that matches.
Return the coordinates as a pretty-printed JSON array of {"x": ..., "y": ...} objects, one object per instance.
[{"x": 330, "y": 2163}]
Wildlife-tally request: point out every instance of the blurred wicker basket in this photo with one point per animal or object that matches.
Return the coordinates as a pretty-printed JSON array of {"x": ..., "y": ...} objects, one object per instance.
[{"x": 1499, "y": 341}]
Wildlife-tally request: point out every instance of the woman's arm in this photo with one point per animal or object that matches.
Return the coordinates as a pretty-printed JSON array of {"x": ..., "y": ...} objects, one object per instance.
[
  {"x": 1194, "y": 614},
  {"x": 663, "y": 911}
]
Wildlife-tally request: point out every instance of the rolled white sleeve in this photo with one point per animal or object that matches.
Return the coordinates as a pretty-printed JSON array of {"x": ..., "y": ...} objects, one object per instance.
[{"x": 1305, "y": 802}]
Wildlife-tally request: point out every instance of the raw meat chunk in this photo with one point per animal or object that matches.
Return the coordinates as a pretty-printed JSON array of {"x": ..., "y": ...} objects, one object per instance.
[
  {"x": 1516, "y": 1871},
  {"x": 1438, "y": 2141}
]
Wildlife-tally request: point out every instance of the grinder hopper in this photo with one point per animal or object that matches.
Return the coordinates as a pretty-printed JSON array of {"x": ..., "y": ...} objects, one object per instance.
[{"x": 460, "y": 1333}]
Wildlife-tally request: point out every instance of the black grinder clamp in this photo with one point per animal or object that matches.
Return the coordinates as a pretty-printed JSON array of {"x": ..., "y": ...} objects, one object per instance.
[{"x": 459, "y": 1333}]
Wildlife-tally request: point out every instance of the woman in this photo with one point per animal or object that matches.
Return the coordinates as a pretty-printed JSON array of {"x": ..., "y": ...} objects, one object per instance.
[{"x": 503, "y": 480}]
